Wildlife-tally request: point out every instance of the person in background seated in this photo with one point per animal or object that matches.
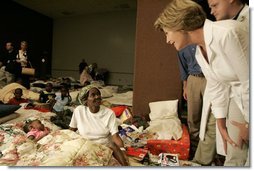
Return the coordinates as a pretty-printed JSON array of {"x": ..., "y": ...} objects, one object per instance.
[
  {"x": 17, "y": 99},
  {"x": 85, "y": 77},
  {"x": 92, "y": 68},
  {"x": 98, "y": 123},
  {"x": 35, "y": 130},
  {"x": 47, "y": 94},
  {"x": 61, "y": 100}
]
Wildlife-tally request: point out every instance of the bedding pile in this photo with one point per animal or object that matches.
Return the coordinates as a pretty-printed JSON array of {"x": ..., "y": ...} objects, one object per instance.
[{"x": 59, "y": 148}]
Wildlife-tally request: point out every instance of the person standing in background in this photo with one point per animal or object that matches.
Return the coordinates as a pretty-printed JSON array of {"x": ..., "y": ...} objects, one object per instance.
[
  {"x": 22, "y": 59},
  {"x": 44, "y": 63},
  {"x": 230, "y": 9},
  {"x": 194, "y": 83},
  {"x": 8, "y": 61},
  {"x": 82, "y": 66}
]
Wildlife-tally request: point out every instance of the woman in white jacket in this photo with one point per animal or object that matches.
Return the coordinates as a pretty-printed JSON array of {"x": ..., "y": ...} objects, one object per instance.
[{"x": 222, "y": 53}]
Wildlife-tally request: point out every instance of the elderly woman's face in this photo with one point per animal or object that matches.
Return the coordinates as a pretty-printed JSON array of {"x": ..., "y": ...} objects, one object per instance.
[
  {"x": 94, "y": 97},
  {"x": 177, "y": 38}
]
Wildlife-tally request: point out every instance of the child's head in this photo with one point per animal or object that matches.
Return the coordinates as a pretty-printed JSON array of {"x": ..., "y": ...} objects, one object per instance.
[
  {"x": 18, "y": 93},
  {"x": 35, "y": 124},
  {"x": 64, "y": 91},
  {"x": 49, "y": 87}
]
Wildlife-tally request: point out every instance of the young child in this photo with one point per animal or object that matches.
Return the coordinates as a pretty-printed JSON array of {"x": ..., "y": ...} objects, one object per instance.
[
  {"x": 61, "y": 100},
  {"x": 35, "y": 130},
  {"x": 17, "y": 99},
  {"x": 47, "y": 94}
]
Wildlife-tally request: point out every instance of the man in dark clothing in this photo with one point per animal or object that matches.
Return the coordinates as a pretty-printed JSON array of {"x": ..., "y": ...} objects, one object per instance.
[
  {"x": 82, "y": 66},
  {"x": 9, "y": 64}
]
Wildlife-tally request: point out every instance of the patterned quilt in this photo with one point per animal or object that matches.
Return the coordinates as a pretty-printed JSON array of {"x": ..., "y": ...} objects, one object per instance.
[{"x": 59, "y": 148}]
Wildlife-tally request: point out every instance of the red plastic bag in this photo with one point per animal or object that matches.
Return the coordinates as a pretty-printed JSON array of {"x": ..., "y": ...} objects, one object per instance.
[{"x": 118, "y": 110}]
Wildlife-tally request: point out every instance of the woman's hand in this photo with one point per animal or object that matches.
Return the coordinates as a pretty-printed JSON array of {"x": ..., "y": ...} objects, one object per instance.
[
  {"x": 224, "y": 133},
  {"x": 243, "y": 132},
  {"x": 119, "y": 154}
]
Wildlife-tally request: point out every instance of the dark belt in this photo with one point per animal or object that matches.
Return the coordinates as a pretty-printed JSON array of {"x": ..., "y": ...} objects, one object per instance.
[{"x": 198, "y": 75}]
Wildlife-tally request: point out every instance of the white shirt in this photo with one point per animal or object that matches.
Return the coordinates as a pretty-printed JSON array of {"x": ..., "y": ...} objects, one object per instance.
[
  {"x": 227, "y": 73},
  {"x": 22, "y": 56},
  {"x": 95, "y": 126},
  {"x": 60, "y": 103},
  {"x": 244, "y": 16}
]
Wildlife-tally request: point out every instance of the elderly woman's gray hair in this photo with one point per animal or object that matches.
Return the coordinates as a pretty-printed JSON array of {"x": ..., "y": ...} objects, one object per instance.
[{"x": 83, "y": 93}]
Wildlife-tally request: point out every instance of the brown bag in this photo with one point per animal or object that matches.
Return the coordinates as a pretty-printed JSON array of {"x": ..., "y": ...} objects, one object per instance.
[{"x": 28, "y": 71}]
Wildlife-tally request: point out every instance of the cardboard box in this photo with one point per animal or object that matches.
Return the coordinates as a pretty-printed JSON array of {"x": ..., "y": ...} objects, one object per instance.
[
  {"x": 138, "y": 153},
  {"x": 125, "y": 116},
  {"x": 180, "y": 147}
]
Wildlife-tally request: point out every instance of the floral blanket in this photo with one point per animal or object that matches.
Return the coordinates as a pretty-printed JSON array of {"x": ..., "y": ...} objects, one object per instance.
[{"x": 59, "y": 148}]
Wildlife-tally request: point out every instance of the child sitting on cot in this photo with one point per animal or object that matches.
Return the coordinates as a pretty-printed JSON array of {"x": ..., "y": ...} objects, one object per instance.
[
  {"x": 47, "y": 94},
  {"x": 17, "y": 99},
  {"x": 61, "y": 100}
]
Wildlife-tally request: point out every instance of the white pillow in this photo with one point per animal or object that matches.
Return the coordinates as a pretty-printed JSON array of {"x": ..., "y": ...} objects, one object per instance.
[{"x": 163, "y": 109}]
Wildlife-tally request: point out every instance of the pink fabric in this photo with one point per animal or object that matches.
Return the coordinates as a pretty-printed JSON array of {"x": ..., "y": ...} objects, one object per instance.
[
  {"x": 84, "y": 76},
  {"x": 37, "y": 133}
]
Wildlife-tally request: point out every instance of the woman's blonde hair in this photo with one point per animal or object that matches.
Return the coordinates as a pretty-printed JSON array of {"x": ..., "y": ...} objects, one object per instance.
[
  {"x": 23, "y": 42},
  {"x": 184, "y": 15}
]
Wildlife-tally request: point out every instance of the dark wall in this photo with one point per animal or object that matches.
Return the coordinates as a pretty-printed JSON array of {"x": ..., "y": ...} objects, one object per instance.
[
  {"x": 19, "y": 23},
  {"x": 156, "y": 72}
]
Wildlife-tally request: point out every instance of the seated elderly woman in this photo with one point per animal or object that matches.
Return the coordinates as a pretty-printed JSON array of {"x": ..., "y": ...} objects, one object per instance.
[{"x": 98, "y": 123}]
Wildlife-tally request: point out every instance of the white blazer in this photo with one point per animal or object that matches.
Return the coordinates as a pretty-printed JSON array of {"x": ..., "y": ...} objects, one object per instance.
[
  {"x": 227, "y": 73},
  {"x": 244, "y": 16}
]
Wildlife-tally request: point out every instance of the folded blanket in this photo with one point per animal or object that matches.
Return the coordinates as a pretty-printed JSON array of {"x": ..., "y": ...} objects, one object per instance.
[
  {"x": 59, "y": 148},
  {"x": 167, "y": 128},
  {"x": 6, "y": 93},
  {"x": 8, "y": 117}
]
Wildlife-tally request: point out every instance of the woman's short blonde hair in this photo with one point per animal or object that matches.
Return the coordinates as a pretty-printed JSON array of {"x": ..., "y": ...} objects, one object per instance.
[
  {"x": 23, "y": 42},
  {"x": 184, "y": 15}
]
